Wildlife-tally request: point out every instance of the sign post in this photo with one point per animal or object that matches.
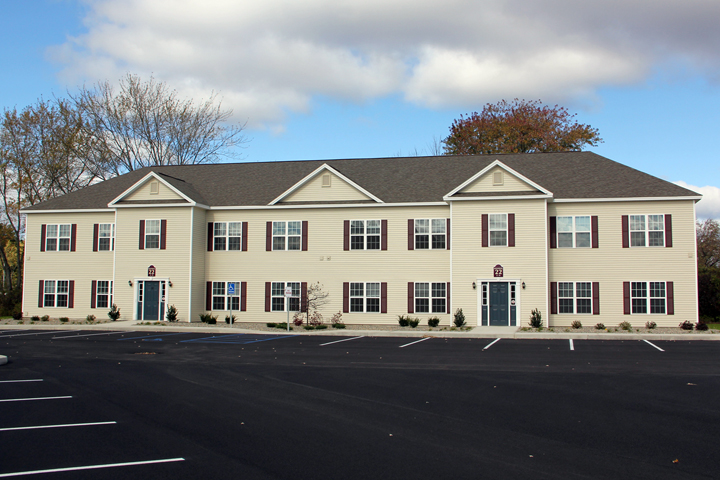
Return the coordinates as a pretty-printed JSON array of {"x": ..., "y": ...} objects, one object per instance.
[
  {"x": 230, "y": 292},
  {"x": 288, "y": 294}
]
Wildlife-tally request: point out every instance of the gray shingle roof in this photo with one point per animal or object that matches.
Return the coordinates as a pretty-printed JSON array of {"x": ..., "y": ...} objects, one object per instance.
[{"x": 582, "y": 175}]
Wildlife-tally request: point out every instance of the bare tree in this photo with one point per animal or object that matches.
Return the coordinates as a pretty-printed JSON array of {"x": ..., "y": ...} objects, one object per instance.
[{"x": 144, "y": 123}]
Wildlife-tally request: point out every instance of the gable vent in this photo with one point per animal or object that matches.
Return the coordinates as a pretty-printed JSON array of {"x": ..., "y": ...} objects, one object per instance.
[
  {"x": 154, "y": 188},
  {"x": 497, "y": 178},
  {"x": 326, "y": 179}
]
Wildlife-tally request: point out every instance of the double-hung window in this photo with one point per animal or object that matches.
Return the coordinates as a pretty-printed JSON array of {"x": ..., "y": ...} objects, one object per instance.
[
  {"x": 647, "y": 230},
  {"x": 57, "y": 238},
  {"x": 152, "y": 234},
  {"x": 648, "y": 297},
  {"x": 498, "y": 228},
  {"x": 286, "y": 235},
  {"x": 227, "y": 235},
  {"x": 103, "y": 293},
  {"x": 430, "y": 233},
  {"x": 106, "y": 237},
  {"x": 574, "y": 232},
  {"x": 223, "y": 301},
  {"x": 278, "y": 300},
  {"x": 574, "y": 297},
  {"x": 430, "y": 297},
  {"x": 365, "y": 234},
  {"x": 56, "y": 293},
  {"x": 365, "y": 297}
]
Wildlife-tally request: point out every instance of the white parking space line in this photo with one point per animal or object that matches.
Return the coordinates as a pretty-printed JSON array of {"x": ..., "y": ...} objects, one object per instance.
[
  {"x": 20, "y": 381},
  {"x": 32, "y": 333},
  {"x": 40, "y": 427},
  {"x": 413, "y": 343},
  {"x": 343, "y": 340},
  {"x": 654, "y": 345},
  {"x": 90, "y": 467},
  {"x": 572, "y": 346},
  {"x": 491, "y": 344},
  {"x": 92, "y": 334},
  {"x": 33, "y": 398}
]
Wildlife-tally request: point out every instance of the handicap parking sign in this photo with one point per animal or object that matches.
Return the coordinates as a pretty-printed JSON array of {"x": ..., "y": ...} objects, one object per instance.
[{"x": 231, "y": 288}]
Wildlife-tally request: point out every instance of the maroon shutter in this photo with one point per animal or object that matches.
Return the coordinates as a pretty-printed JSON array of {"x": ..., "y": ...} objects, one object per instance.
[
  {"x": 553, "y": 232},
  {"x": 244, "y": 239},
  {"x": 268, "y": 296},
  {"x": 211, "y": 237},
  {"x": 243, "y": 296},
  {"x": 96, "y": 236},
  {"x": 303, "y": 297},
  {"x": 596, "y": 298},
  {"x": 346, "y": 297},
  {"x": 625, "y": 233},
  {"x": 268, "y": 239},
  {"x": 411, "y": 234},
  {"x": 594, "y": 228},
  {"x": 304, "y": 236},
  {"x": 553, "y": 298},
  {"x": 43, "y": 229},
  {"x": 383, "y": 297},
  {"x": 111, "y": 293},
  {"x": 93, "y": 292},
  {"x": 163, "y": 234},
  {"x": 346, "y": 235},
  {"x": 73, "y": 236},
  {"x": 142, "y": 234},
  {"x": 511, "y": 229},
  {"x": 383, "y": 234},
  {"x": 669, "y": 291},
  {"x": 71, "y": 294},
  {"x": 208, "y": 296},
  {"x": 447, "y": 234},
  {"x": 411, "y": 297},
  {"x": 485, "y": 230},
  {"x": 668, "y": 230},
  {"x": 626, "y": 298},
  {"x": 447, "y": 298},
  {"x": 41, "y": 292}
]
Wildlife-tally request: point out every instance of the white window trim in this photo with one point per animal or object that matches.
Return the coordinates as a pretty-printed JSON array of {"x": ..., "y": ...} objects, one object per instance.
[
  {"x": 506, "y": 230},
  {"x": 55, "y": 293},
  {"x": 159, "y": 234},
  {"x": 430, "y": 234},
  {"x": 646, "y": 230},
  {"x": 226, "y": 298},
  {"x": 574, "y": 230},
  {"x": 575, "y": 298},
  {"x": 286, "y": 236},
  {"x": 109, "y": 294},
  {"x": 227, "y": 237},
  {"x": 430, "y": 298},
  {"x": 111, "y": 237},
  {"x": 365, "y": 235},
  {"x": 58, "y": 237},
  {"x": 285, "y": 302},
  {"x": 365, "y": 297},
  {"x": 648, "y": 298}
]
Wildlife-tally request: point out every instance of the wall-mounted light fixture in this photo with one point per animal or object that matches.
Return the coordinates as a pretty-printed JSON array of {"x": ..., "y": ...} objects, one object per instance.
[
  {"x": 169, "y": 282},
  {"x": 129, "y": 283},
  {"x": 474, "y": 287},
  {"x": 523, "y": 285}
]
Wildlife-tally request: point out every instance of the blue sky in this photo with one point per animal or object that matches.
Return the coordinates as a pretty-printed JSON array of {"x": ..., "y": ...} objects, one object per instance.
[{"x": 329, "y": 79}]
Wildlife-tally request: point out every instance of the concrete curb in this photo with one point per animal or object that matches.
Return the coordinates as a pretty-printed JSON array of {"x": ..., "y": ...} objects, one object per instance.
[{"x": 3, "y": 359}]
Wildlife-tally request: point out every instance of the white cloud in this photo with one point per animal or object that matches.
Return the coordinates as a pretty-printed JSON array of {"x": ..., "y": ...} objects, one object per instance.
[
  {"x": 272, "y": 57},
  {"x": 709, "y": 206}
]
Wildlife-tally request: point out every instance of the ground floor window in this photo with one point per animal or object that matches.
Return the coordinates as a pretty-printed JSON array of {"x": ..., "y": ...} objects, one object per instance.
[
  {"x": 430, "y": 297},
  {"x": 648, "y": 297},
  {"x": 56, "y": 293},
  {"x": 365, "y": 297},
  {"x": 574, "y": 297},
  {"x": 222, "y": 299},
  {"x": 278, "y": 302},
  {"x": 103, "y": 293}
]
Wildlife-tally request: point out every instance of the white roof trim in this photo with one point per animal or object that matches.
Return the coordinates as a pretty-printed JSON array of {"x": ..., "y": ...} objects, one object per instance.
[
  {"x": 628, "y": 199},
  {"x": 68, "y": 210},
  {"x": 142, "y": 181},
  {"x": 162, "y": 205},
  {"x": 334, "y": 205},
  {"x": 497, "y": 163},
  {"x": 506, "y": 197},
  {"x": 316, "y": 172}
]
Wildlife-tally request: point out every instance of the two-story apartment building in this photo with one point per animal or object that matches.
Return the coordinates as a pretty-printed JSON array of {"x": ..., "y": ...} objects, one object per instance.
[{"x": 575, "y": 235}]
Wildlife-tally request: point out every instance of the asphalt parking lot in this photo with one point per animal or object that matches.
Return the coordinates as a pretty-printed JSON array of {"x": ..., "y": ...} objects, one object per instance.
[{"x": 126, "y": 405}]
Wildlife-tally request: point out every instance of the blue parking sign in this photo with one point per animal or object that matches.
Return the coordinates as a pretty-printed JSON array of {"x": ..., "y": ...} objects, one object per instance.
[{"x": 231, "y": 288}]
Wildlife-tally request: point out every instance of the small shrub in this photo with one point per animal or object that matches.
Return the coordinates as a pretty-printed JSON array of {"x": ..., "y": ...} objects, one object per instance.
[
  {"x": 336, "y": 319},
  {"x": 114, "y": 312},
  {"x": 309, "y": 327},
  {"x": 403, "y": 320},
  {"x": 320, "y": 327},
  {"x": 536, "y": 319},
  {"x": 701, "y": 326},
  {"x": 626, "y": 326},
  {"x": 45, "y": 318},
  {"x": 338, "y": 325},
  {"x": 686, "y": 325},
  {"x": 433, "y": 322},
  {"x": 90, "y": 318},
  {"x": 204, "y": 317},
  {"x": 298, "y": 319},
  {"x": 600, "y": 326},
  {"x": 64, "y": 319},
  {"x": 212, "y": 320},
  {"x": 35, "y": 318},
  {"x": 315, "y": 319},
  {"x": 172, "y": 313},
  {"x": 650, "y": 325},
  {"x": 576, "y": 324},
  {"x": 271, "y": 325},
  {"x": 17, "y": 315},
  {"x": 227, "y": 319},
  {"x": 413, "y": 322},
  {"x": 459, "y": 318}
]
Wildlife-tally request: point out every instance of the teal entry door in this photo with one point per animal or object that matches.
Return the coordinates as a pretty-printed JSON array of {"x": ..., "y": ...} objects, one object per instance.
[
  {"x": 499, "y": 304},
  {"x": 151, "y": 301}
]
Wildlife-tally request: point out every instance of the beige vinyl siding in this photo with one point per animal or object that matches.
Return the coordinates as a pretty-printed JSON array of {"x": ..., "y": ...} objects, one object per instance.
[
  {"x": 525, "y": 262},
  {"x": 313, "y": 191},
  {"x": 326, "y": 261},
  {"x": 164, "y": 193},
  {"x": 510, "y": 183},
  {"x": 83, "y": 265},
  {"x": 199, "y": 247},
  {"x": 611, "y": 265},
  {"x": 171, "y": 263}
]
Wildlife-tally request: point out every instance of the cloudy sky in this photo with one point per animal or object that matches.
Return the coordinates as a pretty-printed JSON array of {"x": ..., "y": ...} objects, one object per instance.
[{"x": 319, "y": 79}]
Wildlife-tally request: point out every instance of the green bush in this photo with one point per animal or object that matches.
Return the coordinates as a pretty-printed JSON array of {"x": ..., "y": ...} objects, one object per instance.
[
  {"x": 536, "y": 319},
  {"x": 403, "y": 320},
  {"x": 114, "y": 312},
  {"x": 626, "y": 326},
  {"x": 64, "y": 319},
  {"x": 338, "y": 325},
  {"x": 17, "y": 314},
  {"x": 205, "y": 317},
  {"x": 433, "y": 322},
  {"x": 90, "y": 318},
  {"x": 45, "y": 318},
  {"x": 600, "y": 326},
  {"x": 212, "y": 320},
  {"x": 227, "y": 319},
  {"x": 309, "y": 327},
  {"x": 271, "y": 325},
  {"x": 701, "y": 326},
  {"x": 576, "y": 324},
  {"x": 650, "y": 325},
  {"x": 459, "y": 318},
  {"x": 414, "y": 322},
  {"x": 172, "y": 313},
  {"x": 336, "y": 319},
  {"x": 35, "y": 318},
  {"x": 320, "y": 327}
]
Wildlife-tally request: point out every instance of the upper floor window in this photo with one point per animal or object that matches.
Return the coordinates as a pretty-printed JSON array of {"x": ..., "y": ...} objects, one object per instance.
[
  {"x": 286, "y": 235},
  {"x": 574, "y": 232},
  {"x": 498, "y": 228},
  {"x": 104, "y": 237},
  {"x": 58, "y": 237},
  {"x": 152, "y": 234},
  {"x": 365, "y": 297},
  {"x": 647, "y": 230},
  {"x": 430, "y": 233},
  {"x": 365, "y": 234},
  {"x": 227, "y": 236}
]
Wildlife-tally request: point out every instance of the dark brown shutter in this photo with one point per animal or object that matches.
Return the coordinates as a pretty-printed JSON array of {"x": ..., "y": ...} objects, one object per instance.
[
  {"x": 73, "y": 236},
  {"x": 447, "y": 298},
  {"x": 668, "y": 230},
  {"x": 346, "y": 297},
  {"x": 383, "y": 297},
  {"x": 594, "y": 228},
  {"x": 383, "y": 234},
  {"x": 243, "y": 296},
  {"x": 112, "y": 291},
  {"x": 142, "y": 234},
  {"x": 553, "y": 298},
  {"x": 626, "y": 297},
  {"x": 93, "y": 291},
  {"x": 71, "y": 294},
  {"x": 163, "y": 234},
  {"x": 411, "y": 297},
  {"x": 211, "y": 237},
  {"x": 268, "y": 238},
  {"x": 596, "y": 298},
  {"x": 411, "y": 234},
  {"x": 447, "y": 234},
  {"x": 346, "y": 235},
  {"x": 485, "y": 230},
  {"x": 304, "y": 236},
  {"x": 41, "y": 292},
  {"x": 43, "y": 229},
  {"x": 96, "y": 236},
  {"x": 268, "y": 295},
  {"x": 303, "y": 297},
  {"x": 625, "y": 232},
  {"x": 208, "y": 296},
  {"x": 669, "y": 291},
  {"x": 244, "y": 239},
  {"x": 511, "y": 229},
  {"x": 553, "y": 232}
]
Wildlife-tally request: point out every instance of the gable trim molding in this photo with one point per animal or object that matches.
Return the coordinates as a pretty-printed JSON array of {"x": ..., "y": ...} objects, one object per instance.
[
  {"x": 497, "y": 163},
  {"x": 142, "y": 181}
]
